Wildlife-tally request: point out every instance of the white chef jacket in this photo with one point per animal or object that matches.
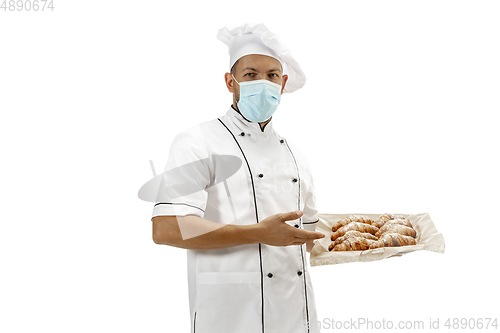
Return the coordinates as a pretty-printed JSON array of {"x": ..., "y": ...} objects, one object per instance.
[{"x": 255, "y": 288}]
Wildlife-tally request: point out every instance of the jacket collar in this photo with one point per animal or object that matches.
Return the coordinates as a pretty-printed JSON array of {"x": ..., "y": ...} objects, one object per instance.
[{"x": 247, "y": 125}]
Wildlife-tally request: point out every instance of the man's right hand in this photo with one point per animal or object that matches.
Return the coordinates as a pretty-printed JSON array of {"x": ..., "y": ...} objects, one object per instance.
[{"x": 275, "y": 231}]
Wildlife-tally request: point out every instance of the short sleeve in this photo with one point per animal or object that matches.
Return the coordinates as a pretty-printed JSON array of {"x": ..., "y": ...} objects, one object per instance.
[
  {"x": 310, "y": 217},
  {"x": 182, "y": 190}
]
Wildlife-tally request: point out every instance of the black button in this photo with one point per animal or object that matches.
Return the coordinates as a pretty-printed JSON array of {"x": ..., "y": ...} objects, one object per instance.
[
  {"x": 294, "y": 180},
  {"x": 299, "y": 273},
  {"x": 281, "y": 141},
  {"x": 261, "y": 175},
  {"x": 296, "y": 226},
  {"x": 242, "y": 134},
  {"x": 270, "y": 275}
]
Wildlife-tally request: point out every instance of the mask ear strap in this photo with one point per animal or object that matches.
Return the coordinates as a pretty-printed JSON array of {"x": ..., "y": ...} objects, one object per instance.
[{"x": 235, "y": 79}]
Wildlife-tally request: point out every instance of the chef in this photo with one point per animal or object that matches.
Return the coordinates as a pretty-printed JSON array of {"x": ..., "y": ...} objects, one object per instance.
[{"x": 242, "y": 201}]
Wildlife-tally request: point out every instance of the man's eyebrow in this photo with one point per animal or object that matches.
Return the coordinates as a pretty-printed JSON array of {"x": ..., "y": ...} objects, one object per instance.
[
  {"x": 251, "y": 69},
  {"x": 269, "y": 71}
]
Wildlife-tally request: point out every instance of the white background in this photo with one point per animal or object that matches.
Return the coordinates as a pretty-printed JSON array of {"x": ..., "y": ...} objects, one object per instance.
[{"x": 399, "y": 115}]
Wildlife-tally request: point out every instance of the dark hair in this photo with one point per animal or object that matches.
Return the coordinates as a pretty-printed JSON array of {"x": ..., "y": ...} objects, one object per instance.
[{"x": 233, "y": 69}]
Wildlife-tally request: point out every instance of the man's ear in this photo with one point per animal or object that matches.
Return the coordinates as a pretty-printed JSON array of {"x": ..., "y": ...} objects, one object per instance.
[
  {"x": 229, "y": 82},
  {"x": 284, "y": 78}
]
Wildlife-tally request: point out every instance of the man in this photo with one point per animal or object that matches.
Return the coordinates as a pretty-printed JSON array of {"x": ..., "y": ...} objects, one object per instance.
[{"x": 243, "y": 204}]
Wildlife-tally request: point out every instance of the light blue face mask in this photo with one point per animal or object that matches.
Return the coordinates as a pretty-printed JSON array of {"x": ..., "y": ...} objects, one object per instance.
[{"x": 258, "y": 99}]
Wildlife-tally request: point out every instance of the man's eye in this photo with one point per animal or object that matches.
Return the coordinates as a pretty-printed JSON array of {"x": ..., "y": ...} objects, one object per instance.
[
  {"x": 249, "y": 74},
  {"x": 273, "y": 75}
]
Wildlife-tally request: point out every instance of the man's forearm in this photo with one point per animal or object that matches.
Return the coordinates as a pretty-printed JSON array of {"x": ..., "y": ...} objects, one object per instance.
[
  {"x": 195, "y": 233},
  {"x": 202, "y": 234}
]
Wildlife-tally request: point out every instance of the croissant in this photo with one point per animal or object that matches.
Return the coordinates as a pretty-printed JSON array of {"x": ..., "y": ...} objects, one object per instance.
[
  {"x": 401, "y": 220},
  {"x": 393, "y": 240},
  {"x": 382, "y": 219},
  {"x": 351, "y": 218},
  {"x": 396, "y": 228},
  {"x": 353, "y": 233},
  {"x": 353, "y": 244},
  {"x": 358, "y": 226}
]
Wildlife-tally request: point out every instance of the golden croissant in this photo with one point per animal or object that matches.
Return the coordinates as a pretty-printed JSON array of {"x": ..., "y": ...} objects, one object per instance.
[
  {"x": 401, "y": 220},
  {"x": 381, "y": 220},
  {"x": 396, "y": 228},
  {"x": 353, "y": 244},
  {"x": 351, "y": 218},
  {"x": 351, "y": 234},
  {"x": 358, "y": 226},
  {"x": 389, "y": 218},
  {"x": 393, "y": 240}
]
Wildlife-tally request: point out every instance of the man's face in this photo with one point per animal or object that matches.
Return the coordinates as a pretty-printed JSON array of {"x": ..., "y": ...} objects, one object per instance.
[{"x": 255, "y": 67}]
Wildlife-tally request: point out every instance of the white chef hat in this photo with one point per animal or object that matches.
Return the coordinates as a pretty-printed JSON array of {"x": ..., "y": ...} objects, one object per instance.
[{"x": 258, "y": 39}]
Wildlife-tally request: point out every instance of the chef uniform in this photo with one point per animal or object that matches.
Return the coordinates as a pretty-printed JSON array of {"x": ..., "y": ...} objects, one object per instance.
[{"x": 254, "y": 288}]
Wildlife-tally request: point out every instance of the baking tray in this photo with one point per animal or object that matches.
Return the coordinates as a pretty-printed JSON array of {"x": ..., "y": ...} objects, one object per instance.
[{"x": 428, "y": 238}]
